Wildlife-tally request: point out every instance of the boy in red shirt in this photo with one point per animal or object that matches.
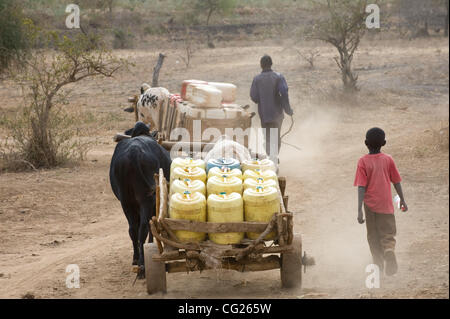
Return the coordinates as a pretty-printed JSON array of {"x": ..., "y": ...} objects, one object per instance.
[{"x": 374, "y": 175}]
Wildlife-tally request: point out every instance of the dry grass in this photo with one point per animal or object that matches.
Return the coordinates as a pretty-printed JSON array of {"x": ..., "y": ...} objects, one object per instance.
[
  {"x": 440, "y": 137},
  {"x": 432, "y": 141}
]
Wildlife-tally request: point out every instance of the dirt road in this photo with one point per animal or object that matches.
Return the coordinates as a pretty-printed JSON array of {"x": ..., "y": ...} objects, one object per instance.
[{"x": 50, "y": 219}]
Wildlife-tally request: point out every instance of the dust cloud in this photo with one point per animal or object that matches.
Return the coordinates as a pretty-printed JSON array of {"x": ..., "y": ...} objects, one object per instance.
[{"x": 323, "y": 170}]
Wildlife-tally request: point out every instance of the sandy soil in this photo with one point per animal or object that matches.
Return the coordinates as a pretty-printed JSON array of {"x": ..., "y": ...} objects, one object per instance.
[{"x": 52, "y": 218}]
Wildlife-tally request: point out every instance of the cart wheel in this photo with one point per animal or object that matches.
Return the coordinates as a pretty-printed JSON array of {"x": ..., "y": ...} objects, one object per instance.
[
  {"x": 155, "y": 271},
  {"x": 291, "y": 265}
]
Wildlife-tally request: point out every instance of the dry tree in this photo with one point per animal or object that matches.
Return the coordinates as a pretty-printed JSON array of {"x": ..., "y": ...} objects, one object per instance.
[
  {"x": 188, "y": 49},
  {"x": 343, "y": 27},
  {"x": 40, "y": 134}
]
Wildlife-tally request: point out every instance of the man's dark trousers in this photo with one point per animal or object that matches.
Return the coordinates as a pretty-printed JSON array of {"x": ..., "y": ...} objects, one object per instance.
[{"x": 267, "y": 137}]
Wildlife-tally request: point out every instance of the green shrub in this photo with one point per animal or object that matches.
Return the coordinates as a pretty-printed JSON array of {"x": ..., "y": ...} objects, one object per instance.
[
  {"x": 122, "y": 39},
  {"x": 209, "y": 7},
  {"x": 153, "y": 30},
  {"x": 12, "y": 37}
]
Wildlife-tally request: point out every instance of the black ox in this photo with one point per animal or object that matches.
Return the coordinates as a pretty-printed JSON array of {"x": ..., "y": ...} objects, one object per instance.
[{"x": 133, "y": 165}]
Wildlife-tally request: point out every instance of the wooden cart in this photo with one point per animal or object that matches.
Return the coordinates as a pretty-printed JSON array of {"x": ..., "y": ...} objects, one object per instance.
[{"x": 168, "y": 255}]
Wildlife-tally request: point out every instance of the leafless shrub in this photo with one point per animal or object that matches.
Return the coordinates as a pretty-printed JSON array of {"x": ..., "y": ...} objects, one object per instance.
[
  {"x": 188, "y": 46},
  {"x": 309, "y": 56},
  {"x": 188, "y": 50},
  {"x": 343, "y": 28}
]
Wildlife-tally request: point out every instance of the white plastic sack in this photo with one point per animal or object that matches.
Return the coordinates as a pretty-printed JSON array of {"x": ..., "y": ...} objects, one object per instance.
[{"x": 226, "y": 148}]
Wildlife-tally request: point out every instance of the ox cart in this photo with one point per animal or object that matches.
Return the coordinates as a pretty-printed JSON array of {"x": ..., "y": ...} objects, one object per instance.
[{"x": 168, "y": 255}]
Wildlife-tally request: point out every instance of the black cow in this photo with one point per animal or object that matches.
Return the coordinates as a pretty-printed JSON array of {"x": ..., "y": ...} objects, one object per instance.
[{"x": 133, "y": 165}]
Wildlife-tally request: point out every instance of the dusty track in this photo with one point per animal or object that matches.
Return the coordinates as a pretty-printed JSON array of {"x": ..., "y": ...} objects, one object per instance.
[{"x": 49, "y": 219}]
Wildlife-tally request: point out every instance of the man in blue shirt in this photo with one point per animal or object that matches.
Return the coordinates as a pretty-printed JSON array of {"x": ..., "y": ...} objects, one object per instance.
[{"x": 270, "y": 91}]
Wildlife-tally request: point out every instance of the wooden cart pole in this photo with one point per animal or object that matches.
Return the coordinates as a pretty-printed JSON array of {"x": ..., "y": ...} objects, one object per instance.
[
  {"x": 280, "y": 229},
  {"x": 156, "y": 178},
  {"x": 158, "y": 242}
]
